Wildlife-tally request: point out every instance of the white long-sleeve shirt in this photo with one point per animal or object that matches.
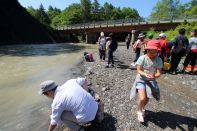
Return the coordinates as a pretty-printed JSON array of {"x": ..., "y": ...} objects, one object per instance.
[{"x": 72, "y": 97}]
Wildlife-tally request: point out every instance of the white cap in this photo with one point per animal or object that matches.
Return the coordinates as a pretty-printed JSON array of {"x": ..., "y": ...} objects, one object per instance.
[
  {"x": 162, "y": 35},
  {"x": 102, "y": 34},
  {"x": 81, "y": 80}
]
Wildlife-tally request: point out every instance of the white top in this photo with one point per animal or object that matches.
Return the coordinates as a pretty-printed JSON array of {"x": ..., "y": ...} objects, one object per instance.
[
  {"x": 72, "y": 97},
  {"x": 149, "y": 68}
]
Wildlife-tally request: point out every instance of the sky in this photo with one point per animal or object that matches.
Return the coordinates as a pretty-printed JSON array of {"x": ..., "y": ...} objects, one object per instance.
[{"x": 144, "y": 7}]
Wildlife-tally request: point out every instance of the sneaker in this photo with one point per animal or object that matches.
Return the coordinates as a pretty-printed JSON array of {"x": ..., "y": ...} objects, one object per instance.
[
  {"x": 133, "y": 64},
  {"x": 107, "y": 66},
  {"x": 112, "y": 65},
  {"x": 140, "y": 116},
  {"x": 174, "y": 73}
]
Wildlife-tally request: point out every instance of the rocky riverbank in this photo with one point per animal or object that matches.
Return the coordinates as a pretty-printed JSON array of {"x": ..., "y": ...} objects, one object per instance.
[{"x": 177, "y": 109}]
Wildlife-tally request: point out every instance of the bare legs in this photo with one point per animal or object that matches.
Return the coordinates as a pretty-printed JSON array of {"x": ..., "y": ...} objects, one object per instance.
[{"x": 143, "y": 100}]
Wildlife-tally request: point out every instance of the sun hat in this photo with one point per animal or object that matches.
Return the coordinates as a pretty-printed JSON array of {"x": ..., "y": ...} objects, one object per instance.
[
  {"x": 81, "y": 80},
  {"x": 47, "y": 86},
  {"x": 141, "y": 35},
  {"x": 153, "y": 45},
  {"x": 163, "y": 35}
]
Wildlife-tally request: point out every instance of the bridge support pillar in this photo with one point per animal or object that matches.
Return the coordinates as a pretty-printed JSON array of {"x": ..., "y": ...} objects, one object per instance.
[{"x": 91, "y": 38}]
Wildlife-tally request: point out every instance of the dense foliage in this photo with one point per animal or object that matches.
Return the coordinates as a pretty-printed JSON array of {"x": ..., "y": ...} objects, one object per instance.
[
  {"x": 79, "y": 13},
  {"x": 173, "y": 8}
]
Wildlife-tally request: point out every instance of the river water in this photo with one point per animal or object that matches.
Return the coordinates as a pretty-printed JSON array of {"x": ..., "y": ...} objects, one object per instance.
[{"x": 22, "y": 69}]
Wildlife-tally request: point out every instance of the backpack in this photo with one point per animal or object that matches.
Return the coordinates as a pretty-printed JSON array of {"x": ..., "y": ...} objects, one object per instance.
[
  {"x": 181, "y": 46},
  {"x": 114, "y": 45}
]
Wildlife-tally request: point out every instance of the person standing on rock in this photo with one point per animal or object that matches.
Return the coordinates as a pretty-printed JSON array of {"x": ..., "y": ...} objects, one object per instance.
[
  {"x": 191, "y": 52},
  {"x": 102, "y": 46},
  {"x": 148, "y": 68},
  {"x": 164, "y": 47},
  {"x": 111, "y": 46},
  {"x": 72, "y": 104},
  {"x": 178, "y": 50},
  {"x": 128, "y": 41},
  {"x": 137, "y": 47}
]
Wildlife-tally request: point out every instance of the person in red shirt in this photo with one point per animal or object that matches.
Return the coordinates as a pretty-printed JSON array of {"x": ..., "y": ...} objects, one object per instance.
[{"x": 164, "y": 46}]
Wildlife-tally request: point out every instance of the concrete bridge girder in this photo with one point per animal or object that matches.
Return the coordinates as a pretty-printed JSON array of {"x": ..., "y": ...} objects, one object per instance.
[{"x": 91, "y": 32}]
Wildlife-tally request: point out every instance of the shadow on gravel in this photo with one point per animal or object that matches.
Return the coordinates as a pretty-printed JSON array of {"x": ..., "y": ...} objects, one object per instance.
[
  {"x": 108, "y": 124},
  {"x": 171, "y": 120}
]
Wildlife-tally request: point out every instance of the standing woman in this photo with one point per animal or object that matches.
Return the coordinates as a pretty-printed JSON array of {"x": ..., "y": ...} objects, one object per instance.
[
  {"x": 148, "y": 68},
  {"x": 102, "y": 46},
  {"x": 137, "y": 47}
]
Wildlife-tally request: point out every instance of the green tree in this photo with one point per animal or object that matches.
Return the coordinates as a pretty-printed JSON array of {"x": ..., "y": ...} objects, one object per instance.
[
  {"x": 42, "y": 16},
  {"x": 129, "y": 13},
  {"x": 106, "y": 10},
  {"x": 72, "y": 14},
  {"x": 95, "y": 11},
  {"x": 31, "y": 11},
  {"x": 86, "y": 8},
  {"x": 165, "y": 9},
  {"x": 52, "y": 12}
]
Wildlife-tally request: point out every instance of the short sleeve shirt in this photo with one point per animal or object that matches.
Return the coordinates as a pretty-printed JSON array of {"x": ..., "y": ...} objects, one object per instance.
[{"x": 149, "y": 68}]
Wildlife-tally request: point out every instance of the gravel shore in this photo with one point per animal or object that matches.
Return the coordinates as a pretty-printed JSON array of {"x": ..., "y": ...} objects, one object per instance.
[{"x": 177, "y": 109}]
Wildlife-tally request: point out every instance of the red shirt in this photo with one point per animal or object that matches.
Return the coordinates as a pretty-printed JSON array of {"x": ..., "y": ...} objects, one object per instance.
[{"x": 164, "y": 45}]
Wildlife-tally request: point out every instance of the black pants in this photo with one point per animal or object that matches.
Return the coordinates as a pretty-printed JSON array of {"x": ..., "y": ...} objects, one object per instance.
[
  {"x": 175, "y": 60},
  {"x": 110, "y": 57},
  {"x": 102, "y": 54},
  {"x": 190, "y": 59},
  {"x": 128, "y": 44},
  {"x": 137, "y": 54}
]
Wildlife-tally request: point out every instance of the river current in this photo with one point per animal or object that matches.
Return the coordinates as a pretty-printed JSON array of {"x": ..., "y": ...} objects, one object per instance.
[{"x": 22, "y": 69}]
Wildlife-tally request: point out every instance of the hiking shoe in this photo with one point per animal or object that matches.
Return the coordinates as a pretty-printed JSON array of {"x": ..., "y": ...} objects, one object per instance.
[
  {"x": 174, "y": 73},
  {"x": 140, "y": 116}
]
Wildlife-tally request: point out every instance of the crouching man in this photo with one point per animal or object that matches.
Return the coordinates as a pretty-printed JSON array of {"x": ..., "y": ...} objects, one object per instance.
[{"x": 72, "y": 104}]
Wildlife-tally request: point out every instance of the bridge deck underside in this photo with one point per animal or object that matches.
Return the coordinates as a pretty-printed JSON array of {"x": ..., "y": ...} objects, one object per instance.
[{"x": 123, "y": 28}]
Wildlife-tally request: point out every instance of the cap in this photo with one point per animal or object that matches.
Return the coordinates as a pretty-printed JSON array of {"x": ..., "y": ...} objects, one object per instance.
[
  {"x": 150, "y": 35},
  {"x": 141, "y": 35},
  {"x": 153, "y": 45},
  {"x": 81, "y": 80},
  {"x": 162, "y": 35},
  {"x": 47, "y": 86}
]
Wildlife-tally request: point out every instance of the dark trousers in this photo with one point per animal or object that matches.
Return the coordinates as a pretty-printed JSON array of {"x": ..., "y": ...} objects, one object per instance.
[
  {"x": 102, "y": 54},
  {"x": 175, "y": 60},
  {"x": 190, "y": 59},
  {"x": 128, "y": 44},
  {"x": 137, "y": 54},
  {"x": 110, "y": 57}
]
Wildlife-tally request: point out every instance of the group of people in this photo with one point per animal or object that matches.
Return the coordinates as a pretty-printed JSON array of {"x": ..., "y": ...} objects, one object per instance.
[
  {"x": 107, "y": 45},
  {"x": 75, "y": 103},
  {"x": 171, "y": 51}
]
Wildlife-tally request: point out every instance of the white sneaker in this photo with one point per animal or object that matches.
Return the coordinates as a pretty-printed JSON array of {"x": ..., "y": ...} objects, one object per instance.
[
  {"x": 140, "y": 116},
  {"x": 133, "y": 64}
]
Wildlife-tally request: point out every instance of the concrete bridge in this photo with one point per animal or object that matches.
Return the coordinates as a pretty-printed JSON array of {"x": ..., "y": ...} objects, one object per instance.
[{"x": 124, "y": 25}]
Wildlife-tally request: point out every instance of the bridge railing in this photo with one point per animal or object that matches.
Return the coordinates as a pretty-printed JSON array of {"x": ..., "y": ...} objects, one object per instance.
[{"x": 131, "y": 21}]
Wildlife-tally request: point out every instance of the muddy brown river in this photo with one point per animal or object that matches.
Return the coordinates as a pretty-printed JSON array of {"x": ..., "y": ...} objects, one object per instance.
[{"x": 22, "y": 69}]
